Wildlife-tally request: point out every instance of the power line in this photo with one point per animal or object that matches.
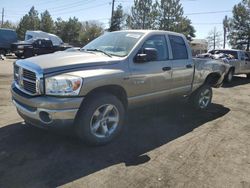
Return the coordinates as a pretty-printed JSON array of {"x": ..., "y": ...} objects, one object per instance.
[
  {"x": 82, "y": 9},
  {"x": 213, "y": 12}
]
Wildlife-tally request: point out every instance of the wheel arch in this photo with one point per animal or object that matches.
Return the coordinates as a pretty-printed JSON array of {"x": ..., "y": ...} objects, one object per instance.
[
  {"x": 115, "y": 90},
  {"x": 212, "y": 79}
]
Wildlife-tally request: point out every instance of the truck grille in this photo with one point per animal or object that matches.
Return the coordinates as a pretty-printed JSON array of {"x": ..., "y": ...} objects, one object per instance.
[{"x": 26, "y": 80}]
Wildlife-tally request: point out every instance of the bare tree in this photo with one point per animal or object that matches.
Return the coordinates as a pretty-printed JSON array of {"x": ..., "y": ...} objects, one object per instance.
[{"x": 214, "y": 39}]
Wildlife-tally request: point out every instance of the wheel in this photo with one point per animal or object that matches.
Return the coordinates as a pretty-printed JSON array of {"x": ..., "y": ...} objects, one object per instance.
[
  {"x": 202, "y": 98},
  {"x": 18, "y": 56},
  {"x": 27, "y": 54},
  {"x": 229, "y": 76},
  {"x": 248, "y": 76},
  {"x": 99, "y": 119},
  {"x": 2, "y": 52}
]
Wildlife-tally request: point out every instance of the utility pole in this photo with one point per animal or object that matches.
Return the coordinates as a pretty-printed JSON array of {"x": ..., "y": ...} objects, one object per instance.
[
  {"x": 2, "y": 17},
  {"x": 112, "y": 13}
]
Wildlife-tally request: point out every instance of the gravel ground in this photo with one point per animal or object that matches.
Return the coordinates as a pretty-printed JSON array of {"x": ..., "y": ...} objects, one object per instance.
[{"x": 167, "y": 145}]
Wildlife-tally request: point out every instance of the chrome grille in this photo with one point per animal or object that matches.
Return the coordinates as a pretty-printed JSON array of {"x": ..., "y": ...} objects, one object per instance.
[
  {"x": 29, "y": 75},
  {"x": 26, "y": 80}
]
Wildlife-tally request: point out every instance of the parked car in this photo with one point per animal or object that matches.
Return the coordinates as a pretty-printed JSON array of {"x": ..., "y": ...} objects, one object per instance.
[
  {"x": 238, "y": 60},
  {"x": 90, "y": 90},
  {"x": 34, "y": 47},
  {"x": 7, "y": 37}
]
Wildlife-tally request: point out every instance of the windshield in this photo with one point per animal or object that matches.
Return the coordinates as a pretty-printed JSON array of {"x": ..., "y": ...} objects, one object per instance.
[{"x": 115, "y": 43}]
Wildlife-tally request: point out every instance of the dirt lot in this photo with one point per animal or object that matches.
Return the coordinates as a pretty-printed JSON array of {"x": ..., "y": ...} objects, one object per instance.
[{"x": 162, "y": 146}]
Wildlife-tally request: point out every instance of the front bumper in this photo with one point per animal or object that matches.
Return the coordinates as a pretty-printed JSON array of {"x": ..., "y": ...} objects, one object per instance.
[{"x": 45, "y": 111}]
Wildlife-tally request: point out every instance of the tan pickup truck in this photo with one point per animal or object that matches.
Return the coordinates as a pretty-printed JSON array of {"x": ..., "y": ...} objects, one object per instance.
[{"x": 91, "y": 89}]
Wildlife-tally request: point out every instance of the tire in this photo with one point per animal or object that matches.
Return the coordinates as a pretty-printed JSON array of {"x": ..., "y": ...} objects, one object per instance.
[
  {"x": 27, "y": 53},
  {"x": 202, "y": 98},
  {"x": 18, "y": 56},
  {"x": 93, "y": 122},
  {"x": 2, "y": 52},
  {"x": 229, "y": 76}
]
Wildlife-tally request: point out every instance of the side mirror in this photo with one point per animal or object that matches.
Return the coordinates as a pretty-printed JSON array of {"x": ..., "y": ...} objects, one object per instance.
[{"x": 146, "y": 55}]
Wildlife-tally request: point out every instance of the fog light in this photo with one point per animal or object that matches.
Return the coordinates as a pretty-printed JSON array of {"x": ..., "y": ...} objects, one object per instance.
[{"x": 45, "y": 117}]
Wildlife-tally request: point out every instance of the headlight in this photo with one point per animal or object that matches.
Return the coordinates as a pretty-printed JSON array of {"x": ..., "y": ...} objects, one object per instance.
[{"x": 63, "y": 85}]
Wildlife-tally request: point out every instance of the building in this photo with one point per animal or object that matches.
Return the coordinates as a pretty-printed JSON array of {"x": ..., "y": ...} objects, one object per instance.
[{"x": 199, "y": 46}]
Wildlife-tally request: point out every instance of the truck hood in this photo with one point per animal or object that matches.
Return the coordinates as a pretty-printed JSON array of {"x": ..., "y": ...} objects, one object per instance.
[{"x": 64, "y": 61}]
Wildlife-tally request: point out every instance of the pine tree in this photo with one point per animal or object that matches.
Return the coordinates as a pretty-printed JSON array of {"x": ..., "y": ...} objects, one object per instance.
[
  {"x": 143, "y": 15},
  {"x": 239, "y": 31},
  {"x": 47, "y": 23},
  {"x": 118, "y": 19},
  {"x": 172, "y": 18},
  {"x": 29, "y": 21}
]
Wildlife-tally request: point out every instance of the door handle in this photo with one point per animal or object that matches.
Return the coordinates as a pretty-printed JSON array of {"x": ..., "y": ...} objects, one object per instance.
[
  {"x": 166, "y": 68},
  {"x": 189, "y": 66}
]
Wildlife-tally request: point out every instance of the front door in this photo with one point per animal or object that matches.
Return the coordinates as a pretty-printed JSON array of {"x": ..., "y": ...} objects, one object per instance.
[{"x": 153, "y": 78}]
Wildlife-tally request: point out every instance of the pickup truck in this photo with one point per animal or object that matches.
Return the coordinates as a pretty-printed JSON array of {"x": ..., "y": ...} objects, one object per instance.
[
  {"x": 238, "y": 60},
  {"x": 90, "y": 90},
  {"x": 34, "y": 47}
]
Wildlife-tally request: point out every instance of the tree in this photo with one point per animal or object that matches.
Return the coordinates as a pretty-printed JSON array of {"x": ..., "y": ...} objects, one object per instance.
[
  {"x": 68, "y": 30},
  {"x": 118, "y": 19},
  {"x": 172, "y": 18},
  {"x": 89, "y": 31},
  {"x": 47, "y": 23},
  {"x": 214, "y": 39},
  {"x": 9, "y": 25},
  {"x": 60, "y": 27},
  {"x": 29, "y": 21},
  {"x": 225, "y": 29},
  {"x": 239, "y": 31},
  {"x": 143, "y": 15}
]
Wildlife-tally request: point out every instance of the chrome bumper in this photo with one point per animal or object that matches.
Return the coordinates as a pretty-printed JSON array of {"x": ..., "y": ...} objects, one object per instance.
[{"x": 53, "y": 116}]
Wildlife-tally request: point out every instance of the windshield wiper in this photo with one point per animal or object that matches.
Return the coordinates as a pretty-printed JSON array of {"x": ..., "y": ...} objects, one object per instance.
[{"x": 98, "y": 50}]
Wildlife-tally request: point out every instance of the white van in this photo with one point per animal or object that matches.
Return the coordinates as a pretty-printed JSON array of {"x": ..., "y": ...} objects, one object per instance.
[{"x": 57, "y": 41}]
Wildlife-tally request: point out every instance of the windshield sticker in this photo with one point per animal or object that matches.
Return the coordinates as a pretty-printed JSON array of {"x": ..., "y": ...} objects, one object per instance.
[{"x": 136, "y": 36}]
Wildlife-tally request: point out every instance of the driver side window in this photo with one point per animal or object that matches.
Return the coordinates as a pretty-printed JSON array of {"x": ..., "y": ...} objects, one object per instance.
[{"x": 159, "y": 43}]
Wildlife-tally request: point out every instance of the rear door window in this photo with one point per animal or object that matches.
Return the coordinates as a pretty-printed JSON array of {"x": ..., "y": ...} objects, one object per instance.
[{"x": 178, "y": 46}]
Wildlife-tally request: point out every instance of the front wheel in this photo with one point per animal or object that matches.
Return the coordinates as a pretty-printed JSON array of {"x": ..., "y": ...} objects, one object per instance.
[
  {"x": 229, "y": 76},
  {"x": 100, "y": 119},
  {"x": 202, "y": 98}
]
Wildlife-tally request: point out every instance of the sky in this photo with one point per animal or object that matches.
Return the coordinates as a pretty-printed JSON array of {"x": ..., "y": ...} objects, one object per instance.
[{"x": 204, "y": 14}]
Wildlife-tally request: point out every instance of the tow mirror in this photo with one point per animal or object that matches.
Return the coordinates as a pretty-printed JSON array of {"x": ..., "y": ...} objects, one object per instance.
[{"x": 146, "y": 55}]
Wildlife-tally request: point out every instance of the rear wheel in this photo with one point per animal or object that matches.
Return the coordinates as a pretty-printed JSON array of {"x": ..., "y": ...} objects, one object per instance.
[
  {"x": 100, "y": 119},
  {"x": 2, "y": 52},
  {"x": 28, "y": 53},
  {"x": 202, "y": 98},
  {"x": 229, "y": 76}
]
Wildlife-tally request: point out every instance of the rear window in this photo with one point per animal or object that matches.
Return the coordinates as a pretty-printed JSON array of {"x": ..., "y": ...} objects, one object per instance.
[{"x": 178, "y": 46}]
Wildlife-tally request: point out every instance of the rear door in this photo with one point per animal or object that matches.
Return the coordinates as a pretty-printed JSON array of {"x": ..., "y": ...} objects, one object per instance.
[{"x": 182, "y": 65}]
